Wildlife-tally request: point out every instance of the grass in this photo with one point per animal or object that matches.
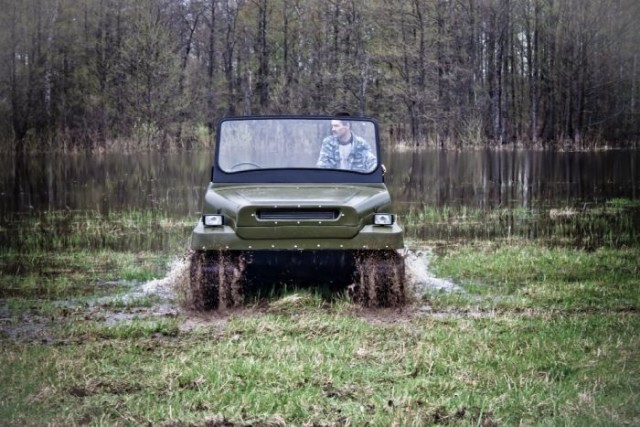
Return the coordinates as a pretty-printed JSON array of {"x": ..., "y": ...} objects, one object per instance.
[
  {"x": 330, "y": 368},
  {"x": 543, "y": 332},
  {"x": 53, "y": 255},
  {"x": 530, "y": 276}
]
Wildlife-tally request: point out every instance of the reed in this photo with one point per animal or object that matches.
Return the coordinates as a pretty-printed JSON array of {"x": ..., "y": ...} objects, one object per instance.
[
  {"x": 613, "y": 223},
  {"x": 57, "y": 253}
]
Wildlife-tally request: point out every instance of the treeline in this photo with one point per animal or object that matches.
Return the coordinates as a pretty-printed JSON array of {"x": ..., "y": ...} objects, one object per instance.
[{"x": 94, "y": 73}]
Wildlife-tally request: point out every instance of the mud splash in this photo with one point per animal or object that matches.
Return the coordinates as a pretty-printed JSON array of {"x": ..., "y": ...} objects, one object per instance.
[
  {"x": 175, "y": 286},
  {"x": 166, "y": 290},
  {"x": 166, "y": 287},
  {"x": 420, "y": 280},
  {"x": 216, "y": 281}
]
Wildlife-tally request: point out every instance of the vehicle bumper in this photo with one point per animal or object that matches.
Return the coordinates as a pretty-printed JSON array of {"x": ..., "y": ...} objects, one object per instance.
[{"x": 225, "y": 238}]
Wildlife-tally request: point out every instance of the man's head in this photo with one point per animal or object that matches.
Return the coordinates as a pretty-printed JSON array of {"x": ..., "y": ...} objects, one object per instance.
[{"x": 341, "y": 129}]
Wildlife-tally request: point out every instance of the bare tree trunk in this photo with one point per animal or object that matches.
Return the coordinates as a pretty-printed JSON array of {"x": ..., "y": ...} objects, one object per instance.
[
  {"x": 190, "y": 27},
  {"x": 20, "y": 84},
  {"x": 533, "y": 37},
  {"x": 211, "y": 69},
  {"x": 262, "y": 83},
  {"x": 230, "y": 16},
  {"x": 285, "y": 55}
]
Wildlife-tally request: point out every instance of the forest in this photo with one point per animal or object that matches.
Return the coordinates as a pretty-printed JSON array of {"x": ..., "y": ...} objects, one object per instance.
[{"x": 99, "y": 74}]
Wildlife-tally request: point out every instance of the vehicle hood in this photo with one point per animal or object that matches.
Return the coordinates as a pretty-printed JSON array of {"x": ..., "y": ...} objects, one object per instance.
[
  {"x": 304, "y": 195},
  {"x": 340, "y": 207}
]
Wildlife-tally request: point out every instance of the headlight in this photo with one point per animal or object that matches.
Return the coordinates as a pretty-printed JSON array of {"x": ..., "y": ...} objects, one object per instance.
[
  {"x": 213, "y": 220},
  {"x": 383, "y": 219}
]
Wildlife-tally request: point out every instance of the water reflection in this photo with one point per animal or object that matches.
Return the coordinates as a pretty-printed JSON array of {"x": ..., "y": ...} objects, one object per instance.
[
  {"x": 174, "y": 183},
  {"x": 171, "y": 183},
  {"x": 493, "y": 179}
]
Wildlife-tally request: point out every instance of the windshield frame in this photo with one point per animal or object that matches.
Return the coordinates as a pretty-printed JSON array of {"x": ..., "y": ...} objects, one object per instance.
[{"x": 297, "y": 174}]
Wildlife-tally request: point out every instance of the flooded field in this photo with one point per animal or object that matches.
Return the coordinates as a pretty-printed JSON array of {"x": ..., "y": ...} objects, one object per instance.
[
  {"x": 510, "y": 256},
  {"x": 135, "y": 212},
  {"x": 129, "y": 216}
]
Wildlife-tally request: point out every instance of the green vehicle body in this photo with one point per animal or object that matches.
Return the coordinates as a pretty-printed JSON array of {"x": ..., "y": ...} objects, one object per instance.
[
  {"x": 277, "y": 217},
  {"x": 297, "y": 217}
]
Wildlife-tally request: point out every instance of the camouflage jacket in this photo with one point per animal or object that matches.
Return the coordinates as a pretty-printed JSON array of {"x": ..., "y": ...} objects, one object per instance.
[{"x": 361, "y": 158}]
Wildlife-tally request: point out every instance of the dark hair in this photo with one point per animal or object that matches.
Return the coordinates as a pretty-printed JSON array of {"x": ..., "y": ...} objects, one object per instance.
[{"x": 342, "y": 114}]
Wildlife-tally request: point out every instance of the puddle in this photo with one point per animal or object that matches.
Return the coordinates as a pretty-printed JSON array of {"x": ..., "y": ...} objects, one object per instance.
[
  {"x": 125, "y": 309},
  {"x": 149, "y": 300},
  {"x": 162, "y": 288}
]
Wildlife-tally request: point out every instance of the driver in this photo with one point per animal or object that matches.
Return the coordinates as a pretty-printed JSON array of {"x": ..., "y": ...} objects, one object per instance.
[{"x": 345, "y": 150}]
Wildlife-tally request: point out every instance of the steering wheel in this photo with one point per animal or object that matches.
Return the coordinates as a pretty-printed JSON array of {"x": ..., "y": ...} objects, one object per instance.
[{"x": 243, "y": 166}]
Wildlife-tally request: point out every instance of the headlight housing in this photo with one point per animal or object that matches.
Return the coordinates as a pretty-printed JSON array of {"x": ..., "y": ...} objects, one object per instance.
[
  {"x": 383, "y": 218},
  {"x": 213, "y": 220}
]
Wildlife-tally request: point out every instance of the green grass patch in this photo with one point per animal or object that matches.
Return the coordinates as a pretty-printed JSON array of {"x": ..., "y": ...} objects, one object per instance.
[
  {"x": 136, "y": 328},
  {"x": 135, "y": 230},
  {"x": 622, "y": 203},
  {"x": 534, "y": 276},
  {"x": 332, "y": 368},
  {"x": 128, "y": 301},
  {"x": 59, "y": 274}
]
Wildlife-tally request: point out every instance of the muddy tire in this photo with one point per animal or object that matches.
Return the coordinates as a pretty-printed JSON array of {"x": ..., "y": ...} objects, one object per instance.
[
  {"x": 216, "y": 280},
  {"x": 379, "y": 279}
]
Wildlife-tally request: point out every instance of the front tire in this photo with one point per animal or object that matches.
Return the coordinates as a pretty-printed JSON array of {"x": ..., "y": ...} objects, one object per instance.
[
  {"x": 216, "y": 280},
  {"x": 379, "y": 279}
]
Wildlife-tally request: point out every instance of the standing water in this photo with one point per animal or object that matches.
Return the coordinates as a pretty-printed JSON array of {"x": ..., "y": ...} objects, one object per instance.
[{"x": 437, "y": 194}]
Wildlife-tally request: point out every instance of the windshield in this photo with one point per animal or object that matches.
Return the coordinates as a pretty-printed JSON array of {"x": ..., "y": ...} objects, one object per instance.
[{"x": 276, "y": 143}]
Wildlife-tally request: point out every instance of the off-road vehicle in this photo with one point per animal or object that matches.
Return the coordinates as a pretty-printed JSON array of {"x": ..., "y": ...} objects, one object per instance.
[{"x": 296, "y": 201}]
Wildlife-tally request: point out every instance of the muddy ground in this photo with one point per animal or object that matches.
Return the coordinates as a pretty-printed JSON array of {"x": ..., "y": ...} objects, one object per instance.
[{"x": 163, "y": 298}]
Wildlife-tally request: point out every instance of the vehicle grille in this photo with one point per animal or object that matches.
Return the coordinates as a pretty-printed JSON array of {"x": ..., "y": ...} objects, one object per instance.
[{"x": 297, "y": 214}]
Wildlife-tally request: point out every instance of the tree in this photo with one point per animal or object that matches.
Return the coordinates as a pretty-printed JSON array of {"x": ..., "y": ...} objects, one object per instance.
[
  {"x": 149, "y": 75},
  {"x": 536, "y": 72}
]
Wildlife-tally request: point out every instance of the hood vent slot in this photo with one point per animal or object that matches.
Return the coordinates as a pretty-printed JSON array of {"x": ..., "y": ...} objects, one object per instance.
[{"x": 292, "y": 214}]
